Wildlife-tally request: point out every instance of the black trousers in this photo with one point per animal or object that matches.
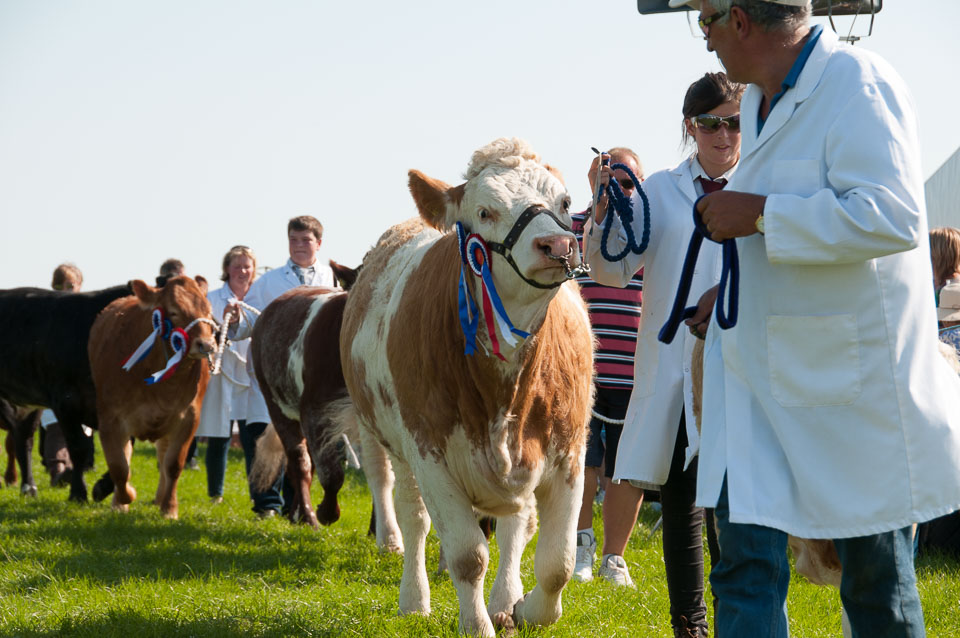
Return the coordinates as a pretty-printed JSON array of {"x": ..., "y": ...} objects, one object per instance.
[{"x": 683, "y": 538}]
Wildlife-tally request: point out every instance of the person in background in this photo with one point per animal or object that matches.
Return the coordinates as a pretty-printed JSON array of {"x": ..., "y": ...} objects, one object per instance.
[
  {"x": 228, "y": 393},
  {"x": 614, "y": 317},
  {"x": 660, "y": 442},
  {"x": 945, "y": 256},
  {"x": 304, "y": 238},
  {"x": 828, "y": 411},
  {"x": 68, "y": 278}
]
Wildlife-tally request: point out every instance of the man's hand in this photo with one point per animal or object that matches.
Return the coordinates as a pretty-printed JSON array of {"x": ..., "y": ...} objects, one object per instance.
[
  {"x": 601, "y": 205},
  {"x": 701, "y": 319},
  {"x": 729, "y": 214}
]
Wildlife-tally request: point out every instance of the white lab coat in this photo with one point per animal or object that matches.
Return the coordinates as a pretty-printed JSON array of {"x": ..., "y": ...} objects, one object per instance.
[
  {"x": 264, "y": 290},
  {"x": 661, "y": 387},
  {"x": 228, "y": 393},
  {"x": 828, "y": 406}
]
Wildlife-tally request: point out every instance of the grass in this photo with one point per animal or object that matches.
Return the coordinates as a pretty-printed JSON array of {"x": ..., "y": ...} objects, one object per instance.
[{"x": 69, "y": 570}]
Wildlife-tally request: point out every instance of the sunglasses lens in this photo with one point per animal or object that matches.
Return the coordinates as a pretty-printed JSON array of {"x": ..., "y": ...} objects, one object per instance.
[
  {"x": 734, "y": 122},
  {"x": 708, "y": 123}
]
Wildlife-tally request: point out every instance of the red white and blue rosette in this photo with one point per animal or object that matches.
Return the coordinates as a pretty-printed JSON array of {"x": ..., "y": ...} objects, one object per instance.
[
  {"x": 475, "y": 254},
  {"x": 179, "y": 342},
  {"x": 161, "y": 328}
]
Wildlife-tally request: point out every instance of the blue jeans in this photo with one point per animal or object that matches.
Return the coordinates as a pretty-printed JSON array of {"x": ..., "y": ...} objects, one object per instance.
[
  {"x": 271, "y": 498},
  {"x": 217, "y": 448},
  {"x": 878, "y": 590}
]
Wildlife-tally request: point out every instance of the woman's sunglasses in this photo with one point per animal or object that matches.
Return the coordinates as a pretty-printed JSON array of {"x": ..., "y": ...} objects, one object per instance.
[{"x": 711, "y": 123}]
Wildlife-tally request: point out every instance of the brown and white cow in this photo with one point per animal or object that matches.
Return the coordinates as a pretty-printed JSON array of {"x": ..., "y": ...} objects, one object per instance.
[
  {"x": 475, "y": 434},
  {"x": 166, "y": 411},
  {"x": 295, "y": 348}
]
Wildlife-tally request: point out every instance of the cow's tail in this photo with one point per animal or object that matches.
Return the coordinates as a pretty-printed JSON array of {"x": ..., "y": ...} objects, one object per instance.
[
  {"x": 268, "y": 460},
  {"x": 339, "y": 429},
  {"x": 696, "y": 380}
]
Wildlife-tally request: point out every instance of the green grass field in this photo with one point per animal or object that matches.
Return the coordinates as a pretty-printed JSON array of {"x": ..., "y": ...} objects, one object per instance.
[{"x": 70, "y": 570}]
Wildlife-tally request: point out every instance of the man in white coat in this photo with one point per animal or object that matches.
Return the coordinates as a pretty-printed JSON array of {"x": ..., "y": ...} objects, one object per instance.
[
  {"x": 305, "y": 235},
  {"x": 828, "y": 412}
]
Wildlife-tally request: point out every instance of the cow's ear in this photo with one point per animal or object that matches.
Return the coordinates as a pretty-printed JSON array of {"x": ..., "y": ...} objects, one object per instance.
[
  {"x": 146, "y": 295},
  {"x": 202, "y": 282},
  {"x": 433, "y": 197},
  {"x": 556, "y": 173}
]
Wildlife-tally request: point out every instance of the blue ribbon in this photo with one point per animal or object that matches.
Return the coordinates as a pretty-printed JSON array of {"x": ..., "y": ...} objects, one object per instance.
[
  {"x": 729, "y": 274},
  {"x": 497, "y": 304},
  {"x": 618, "y": 201}
]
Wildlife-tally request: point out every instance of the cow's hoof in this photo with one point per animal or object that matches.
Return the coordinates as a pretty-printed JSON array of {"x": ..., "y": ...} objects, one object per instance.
[
  {"x": 102, "y": 489},
  {"x": 328, "y": 513},
  {"x": 28, "y": 490},
  {"x": 123, "y": 508},
  {"x": 392, "y": 547},
  {"x": 504, "y": 623},
  {"x": 172, "y": 515}
]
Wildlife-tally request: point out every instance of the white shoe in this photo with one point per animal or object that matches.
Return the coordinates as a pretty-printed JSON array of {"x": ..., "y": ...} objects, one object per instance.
[
  {"x": 586, "y": 550},
  {"x": 614, "y": 569}
]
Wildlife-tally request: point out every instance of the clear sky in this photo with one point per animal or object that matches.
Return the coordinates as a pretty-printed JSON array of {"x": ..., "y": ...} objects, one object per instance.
[{"x": 133, "y": 131}]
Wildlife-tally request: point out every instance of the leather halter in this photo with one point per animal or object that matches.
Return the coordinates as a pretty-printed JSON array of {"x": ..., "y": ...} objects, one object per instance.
[{"x": 505, "y": 249}]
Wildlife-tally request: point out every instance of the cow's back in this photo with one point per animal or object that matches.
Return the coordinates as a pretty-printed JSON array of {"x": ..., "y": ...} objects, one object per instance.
[{"x": 295, "y": 344}]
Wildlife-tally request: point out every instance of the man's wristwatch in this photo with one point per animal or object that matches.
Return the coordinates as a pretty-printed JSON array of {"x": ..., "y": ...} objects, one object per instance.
[{"x": 759, "y": 224}]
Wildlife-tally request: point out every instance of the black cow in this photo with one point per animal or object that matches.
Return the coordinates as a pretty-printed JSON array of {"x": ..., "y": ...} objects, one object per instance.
[{"x": 43, "y": 341}]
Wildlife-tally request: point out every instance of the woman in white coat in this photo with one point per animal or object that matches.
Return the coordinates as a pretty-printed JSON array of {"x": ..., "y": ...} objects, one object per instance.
[
  {"x": 228, "y": 393},
  {"x": 659, "y": 443}
]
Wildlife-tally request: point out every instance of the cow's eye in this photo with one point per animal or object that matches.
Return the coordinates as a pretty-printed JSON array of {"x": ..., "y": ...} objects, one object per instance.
[
  {"x": 566, "y": 205},
  {"x": 484, "y": 213}
]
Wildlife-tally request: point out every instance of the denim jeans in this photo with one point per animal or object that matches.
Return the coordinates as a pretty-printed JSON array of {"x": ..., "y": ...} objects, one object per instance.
[
  {"x": 878, "y": 589},
  {"x": 217, "y": 448},
  {"x": 271, "y": 498}
]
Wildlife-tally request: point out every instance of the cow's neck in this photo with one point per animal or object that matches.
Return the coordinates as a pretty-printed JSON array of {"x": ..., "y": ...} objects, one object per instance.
[{"x": 525, "y": 305}]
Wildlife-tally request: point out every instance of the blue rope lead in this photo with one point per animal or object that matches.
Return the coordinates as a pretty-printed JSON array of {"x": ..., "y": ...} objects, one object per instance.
[
  {"x": 729, "y": 274},
  {"x": 618, "y": 201}
]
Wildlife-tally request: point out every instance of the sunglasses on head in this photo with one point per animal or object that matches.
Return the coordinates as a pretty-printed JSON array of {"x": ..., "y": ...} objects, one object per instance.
[{"x": 711, "y": 123}]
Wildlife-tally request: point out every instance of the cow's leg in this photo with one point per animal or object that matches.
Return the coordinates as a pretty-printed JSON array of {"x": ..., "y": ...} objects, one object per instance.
[
  {"x": 558, "y": 504},
  {"x": 328, "y": 462},
  {"x": 414, "y": 524},
  {"x": 175, "y": 447},
  {"x": 117, "y": 450},
  {"x": 463, "y": 544},
  {"x": 513, "y": 534},
  {"x": 9, "y": 446},
  {"x": 24, "y": 430},
  {"x": 299, "y": 467},
  {"x": 379, "y": 473},
  {"x": 79, "y": 448}
]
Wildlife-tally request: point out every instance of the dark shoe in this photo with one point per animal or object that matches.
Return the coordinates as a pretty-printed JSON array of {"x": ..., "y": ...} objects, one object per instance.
[
  {"x": 689, "y": 630},
  {"x": 266, "y": 513}
]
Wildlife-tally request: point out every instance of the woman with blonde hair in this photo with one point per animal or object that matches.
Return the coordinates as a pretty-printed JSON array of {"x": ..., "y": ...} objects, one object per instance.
[{"x": 228, "y": 392}]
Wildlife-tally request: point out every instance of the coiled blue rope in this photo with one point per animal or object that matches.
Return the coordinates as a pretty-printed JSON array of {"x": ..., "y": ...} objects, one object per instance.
[
  {"x": 618, "y": 201},
  {"x": 729, "y": 274}
]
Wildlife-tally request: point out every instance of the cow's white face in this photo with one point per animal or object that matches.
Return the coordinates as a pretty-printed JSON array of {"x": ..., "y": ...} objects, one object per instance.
[{"x": 495, "y": 200}]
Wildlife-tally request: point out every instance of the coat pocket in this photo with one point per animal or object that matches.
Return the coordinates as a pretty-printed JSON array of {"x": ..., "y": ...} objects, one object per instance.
[{"x": 813, "y": 361}]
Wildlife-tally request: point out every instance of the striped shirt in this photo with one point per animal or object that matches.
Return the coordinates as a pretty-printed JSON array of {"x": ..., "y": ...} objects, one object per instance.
[{"x": 615, "y": 317}]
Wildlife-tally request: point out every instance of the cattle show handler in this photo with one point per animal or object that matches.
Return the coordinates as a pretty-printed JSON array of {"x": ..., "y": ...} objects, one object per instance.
[{"x": 828, "y": 411}]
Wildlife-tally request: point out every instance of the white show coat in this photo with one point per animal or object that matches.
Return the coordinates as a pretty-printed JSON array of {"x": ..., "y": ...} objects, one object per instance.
[
  {"x": 828, "y": 406},
  {"x": 228, "y": 393},
  {"x": 265, "y": 289},
  {"x": 661, "y": 385}
]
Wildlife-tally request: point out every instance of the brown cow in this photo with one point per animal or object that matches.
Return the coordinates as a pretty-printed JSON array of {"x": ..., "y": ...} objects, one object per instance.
[
  {"x": 167, "y": 410},
  {"x": 496, "y": 431},
  {"x": 295, "y": 349}
]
